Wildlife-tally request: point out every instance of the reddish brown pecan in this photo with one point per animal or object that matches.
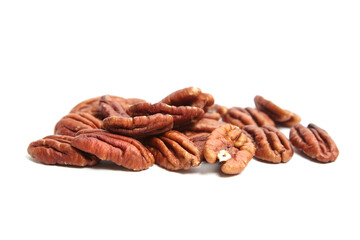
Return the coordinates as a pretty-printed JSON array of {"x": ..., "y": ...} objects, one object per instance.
[
  {"x": 123, "y": 151},
  {"x": 174, "y": 151},
  {"x": 271, "y": 145},
  {"x": 247, "y": 116},
  {"x": 276, "y": 113},
  {"x": 314, "y": 142},
  {"x": 117, "y": 120},
  {"x": 56, "y": 149},
  {"x": 215, "y": 112},
  {"x": 231, "y": 146},
  {"x": 199, "y": 139},
  {"x": 91, "y": 105},
  {"x": 205, "y": 125},
  {"x": 73, "y": 122},
  {"x": 190, "y": 96},
  {"x": 182, "y": 115}
]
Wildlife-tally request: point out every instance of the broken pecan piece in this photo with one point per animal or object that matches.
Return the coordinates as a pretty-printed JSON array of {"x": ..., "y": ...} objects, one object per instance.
[
  {"x": 174, "y": 151},
  {"x": 276, "y": 113},
  {"x": 314, "y": 142},
  {"x": 73, "y": 122},
  {"x": 232, "y": 146},
  {"x": 56, "y": 149},
  {"x": 271, "y": 145},
  {"x": 117, "y": 120},
  {"x": 123, "y": 151}
]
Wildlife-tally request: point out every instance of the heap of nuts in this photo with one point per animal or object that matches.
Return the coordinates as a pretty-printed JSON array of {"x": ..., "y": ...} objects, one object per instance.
[{"x": 179, "y": 132}]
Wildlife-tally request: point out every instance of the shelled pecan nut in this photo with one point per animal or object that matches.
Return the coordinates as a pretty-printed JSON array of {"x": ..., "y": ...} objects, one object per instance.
[
  {"x": 215, "y": 112},
  {"x": 205, "y": 125},
  {"x": 271, "y": 145},
  {"x": 73, "y": 122},
  {"x": 123, "y": 151},
  {"x": 56, "y": 149},
  {"x": 117, "y": 120},
  {"x": 174, "y": 151},
  {"x": 182, "y": 115},
  {"x": 190, "y": 96},
  {"x": 314, "y": 142},
  {"x": 199, "y": 139},
  {"x": 275, "y": 112},
  {"x": 231, "y": 146},
  {"x": 247, "y": 116}
]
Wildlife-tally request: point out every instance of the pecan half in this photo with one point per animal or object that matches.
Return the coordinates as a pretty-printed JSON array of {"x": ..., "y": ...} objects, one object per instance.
[
  {"x": 276, "y": 113},
  {"x": 247, "y": 116},
  {"x": 231, "y": 146},
  {"x": 314, "y": 142},
  {"x": 199, "y": 139},
  {"x": 117, "y": 120},
  {"x": 190, "y": 96},
  {"x": 205, "y": 125},
  {"x": 271, "y": 145},
  {"x": 174, "y": 151},
  {"x": 121, "y": 150},
  {"x": 215, "y": 112},
  {"x": 56, "y": 149},
  {"x": 73, "y": 122},
  {"x": 182, "y": 115}
]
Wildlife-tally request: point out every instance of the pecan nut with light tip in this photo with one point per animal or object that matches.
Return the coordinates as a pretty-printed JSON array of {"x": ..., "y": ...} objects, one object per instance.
[
  {"x": 276, "y": 113},
  {"x": 117, "y": 120},
  {"x": 174, "y": 151},
  {"x": 271, "y": 145},
  {"x": 215, "y": 112},
  {"x": 231, "y": 146},
  {"x": 74, "y": 122},
  {"x": 57, "y": 149},
  {"x": 123, "y": 151},
  {"x": 314, "y": 142},
  {"x": 182, "y": 115}
]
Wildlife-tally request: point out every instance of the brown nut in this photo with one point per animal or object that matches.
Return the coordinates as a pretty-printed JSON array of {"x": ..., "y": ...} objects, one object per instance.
[
  {"x": 205, "y": 125},
  {"x": 91, "y": 105},
  {"x": 231, "y": 146},
  {"x": 271, "y": 145},
  {"x": 199, "y": 139},
  {"x": 182, "y": 115},
  {"x": 314, "y": 142},
  {"x": 190, "y": 96},
  {"x": 121, "y": 150},
  {"x": 56, "y": 149},
  {"x": 73, "y": 122},
  {"x": 174, "y": 151},
  {"x": 276, "y": 113},
  {"x": 247, "y": 116},
  {"x": 215, "y": 112},
  {"x": 117, "y": 120}
]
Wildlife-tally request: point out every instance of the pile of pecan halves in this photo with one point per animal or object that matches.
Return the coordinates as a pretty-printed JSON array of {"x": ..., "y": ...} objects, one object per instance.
[{"x": 179, "y": 132}]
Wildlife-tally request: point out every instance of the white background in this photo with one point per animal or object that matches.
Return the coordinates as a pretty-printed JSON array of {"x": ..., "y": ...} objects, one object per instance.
[{"x": 302, "y": 55}]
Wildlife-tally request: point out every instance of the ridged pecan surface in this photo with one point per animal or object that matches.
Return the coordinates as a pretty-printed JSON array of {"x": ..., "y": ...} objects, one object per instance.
[{"x": 74, "y": 122}]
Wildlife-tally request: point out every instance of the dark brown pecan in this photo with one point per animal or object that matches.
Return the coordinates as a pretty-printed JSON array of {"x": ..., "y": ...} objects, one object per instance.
[
  {"x": 182, "y": 115},
  {"x": 314, "y": 142},
  {"x": 231, "y": 146},
  {"x": 73, "y": 122},
  {"x": 174, "y": 151},
  {"x": 124, "y": 151},
  {"x": 215, "y": 112},
  {"x": 205, "y": 125},
  {"x": 117, "y": 120},
  {"x": 276, "y": 113},
  {"x": 56, "y": 149},
  {"x": 271, "y": 145},
  {"x": 190, "y": 96}
]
